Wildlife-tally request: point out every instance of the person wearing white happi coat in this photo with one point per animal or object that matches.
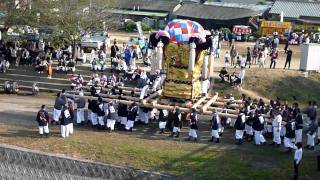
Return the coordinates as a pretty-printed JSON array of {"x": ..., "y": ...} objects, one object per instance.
[
  {"x": 156, "y": 82},
  {"x": 289, "y": 137},
  {"x": 215, "y": 123},
  {"x": 240, "y": 127},
  {"x": 163, "y": 114},
  {"x": 298, "y": 124},
  {"x": 205, "y": 85},
  {"x": 311, "y": 134},
  {"x": 144, "y": 115},
  {"x": 258, "y": 127},
  {"x": 132, "y": 114},
  {"x": 92, "y": 55},
  {"x": 176, "y": 122},
  {"x": 111, "y": 116},
  {"x": 81, "y": 104},
  {"x": 43, "y": 121},
  {"x": 193, "y": 125},
  {"x": 276, "y": 127}
]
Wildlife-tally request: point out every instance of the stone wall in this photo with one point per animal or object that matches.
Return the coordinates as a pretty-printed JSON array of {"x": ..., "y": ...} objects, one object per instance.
[{"x": 19, "y": 163}]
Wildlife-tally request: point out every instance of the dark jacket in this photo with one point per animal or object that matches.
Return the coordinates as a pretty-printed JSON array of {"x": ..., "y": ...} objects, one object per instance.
[
  {"x": 240, "y": 123},
  {"x": 290, "y": 130},
  {"x": 214, "y": 122},
  {"x": 177, "y": 119},
  {"x": 162, "y": 118},
  {"x": 132, "y": 114},
  {"x": 66, "y": 116},
  {"x": 122, "y": 110},
  {"x": 299, "y": 121},
  {"x": 42, "y": 118},
  {"x": 100, "y": 111},
  {"x": 194, "y": 121}
]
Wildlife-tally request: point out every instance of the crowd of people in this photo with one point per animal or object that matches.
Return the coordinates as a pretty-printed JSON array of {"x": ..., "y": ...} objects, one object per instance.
[{"x": 256, "y": 121}]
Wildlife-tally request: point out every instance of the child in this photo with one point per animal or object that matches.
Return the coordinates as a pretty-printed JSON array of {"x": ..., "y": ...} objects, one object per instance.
[{"x": 43, "y": 121}]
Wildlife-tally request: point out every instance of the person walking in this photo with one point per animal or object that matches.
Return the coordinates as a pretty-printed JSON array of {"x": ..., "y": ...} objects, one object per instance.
[
  {"x": 193, "y": 125},
  {"x": 215, "y": 121},
  {"x": 288, "y": 59}
]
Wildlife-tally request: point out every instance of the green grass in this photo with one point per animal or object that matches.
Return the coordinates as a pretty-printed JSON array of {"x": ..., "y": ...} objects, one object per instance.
[
  {"x": 197, "y": 161},
  {"x": 279, "y": 83}
]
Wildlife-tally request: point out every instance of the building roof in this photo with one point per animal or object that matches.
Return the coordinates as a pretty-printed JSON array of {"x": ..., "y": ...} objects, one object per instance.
[
  {"x": 261, "y": 8},
  {"x": 295, "y": 9},
  {"x": 241, "y": 1},
  {"x": 147, "y": 5},
  {"x": 202, "y": 11},
  {"x": 139, "y": 13}
]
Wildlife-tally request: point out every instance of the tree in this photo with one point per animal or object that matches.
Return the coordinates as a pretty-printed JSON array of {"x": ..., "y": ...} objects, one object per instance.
[
  {"x": 16, "y": 13},
  {"x": 66, "y": 17},
  {"x": 70, "y": 17}
]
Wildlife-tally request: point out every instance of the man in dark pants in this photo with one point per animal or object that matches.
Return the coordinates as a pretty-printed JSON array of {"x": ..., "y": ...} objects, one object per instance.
[
  {"x": 288, "y": 59},
  {"x": 274, "y": 57},
  {"x": 297, "y": 160}
]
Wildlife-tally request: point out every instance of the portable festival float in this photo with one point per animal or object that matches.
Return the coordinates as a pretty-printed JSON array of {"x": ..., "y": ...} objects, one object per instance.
[{"x": 182, "y": 52}]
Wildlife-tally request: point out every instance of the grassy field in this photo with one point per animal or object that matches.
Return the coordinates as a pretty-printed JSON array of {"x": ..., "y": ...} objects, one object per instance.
[
  {"x": 284, "y": 84},
  {"x": 199, "y": 161}
]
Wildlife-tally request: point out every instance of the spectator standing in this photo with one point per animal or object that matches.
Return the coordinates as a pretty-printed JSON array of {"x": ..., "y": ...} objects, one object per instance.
[
  {"x": 274, "y": 57},
  {"x": 248, "y": 57},
  {"x": 288, "y": 59},
  {"x": 233, "y": 55}
]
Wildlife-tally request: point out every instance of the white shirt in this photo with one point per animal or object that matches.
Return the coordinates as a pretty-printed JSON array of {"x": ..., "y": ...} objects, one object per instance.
[
  {"x": 227, "y": 55},
  {"x": 277, "y": 120},
  {"x": 243, "y": 62},
  {"x": 298, "y": 155},
  {"x": 205, "y": 86},
  {"x": 242, "y": 74}
]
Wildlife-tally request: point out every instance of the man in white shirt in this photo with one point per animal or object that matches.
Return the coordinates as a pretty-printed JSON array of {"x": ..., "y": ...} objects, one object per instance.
[
  {"x": 276, "y": 126},
  {"x": 242, "y": 75},
  {"x": 297, "y": 159}
]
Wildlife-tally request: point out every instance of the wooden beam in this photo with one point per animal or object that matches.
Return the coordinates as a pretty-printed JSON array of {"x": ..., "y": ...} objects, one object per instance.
[
  {"x": 152, "y": 96},
  {"x": 212, "y": 100},
  {"x": 229, "y": 100},
  {"x": 199, "y": 102},
  {"x": 209, "y": 113},
  {"x": 225, "y": 104},
  {"x": 231, "y": 111}
]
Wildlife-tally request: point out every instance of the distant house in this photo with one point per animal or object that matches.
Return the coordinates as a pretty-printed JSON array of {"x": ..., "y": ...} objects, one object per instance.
[
  {"x": 214, "y": 16},
  {"x": 304, "y": 15},
  {"x": 156, "y": 12}
]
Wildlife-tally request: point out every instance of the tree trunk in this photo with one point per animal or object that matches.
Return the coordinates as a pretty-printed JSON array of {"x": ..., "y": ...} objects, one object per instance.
[{"x": 74, "y": 50}]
